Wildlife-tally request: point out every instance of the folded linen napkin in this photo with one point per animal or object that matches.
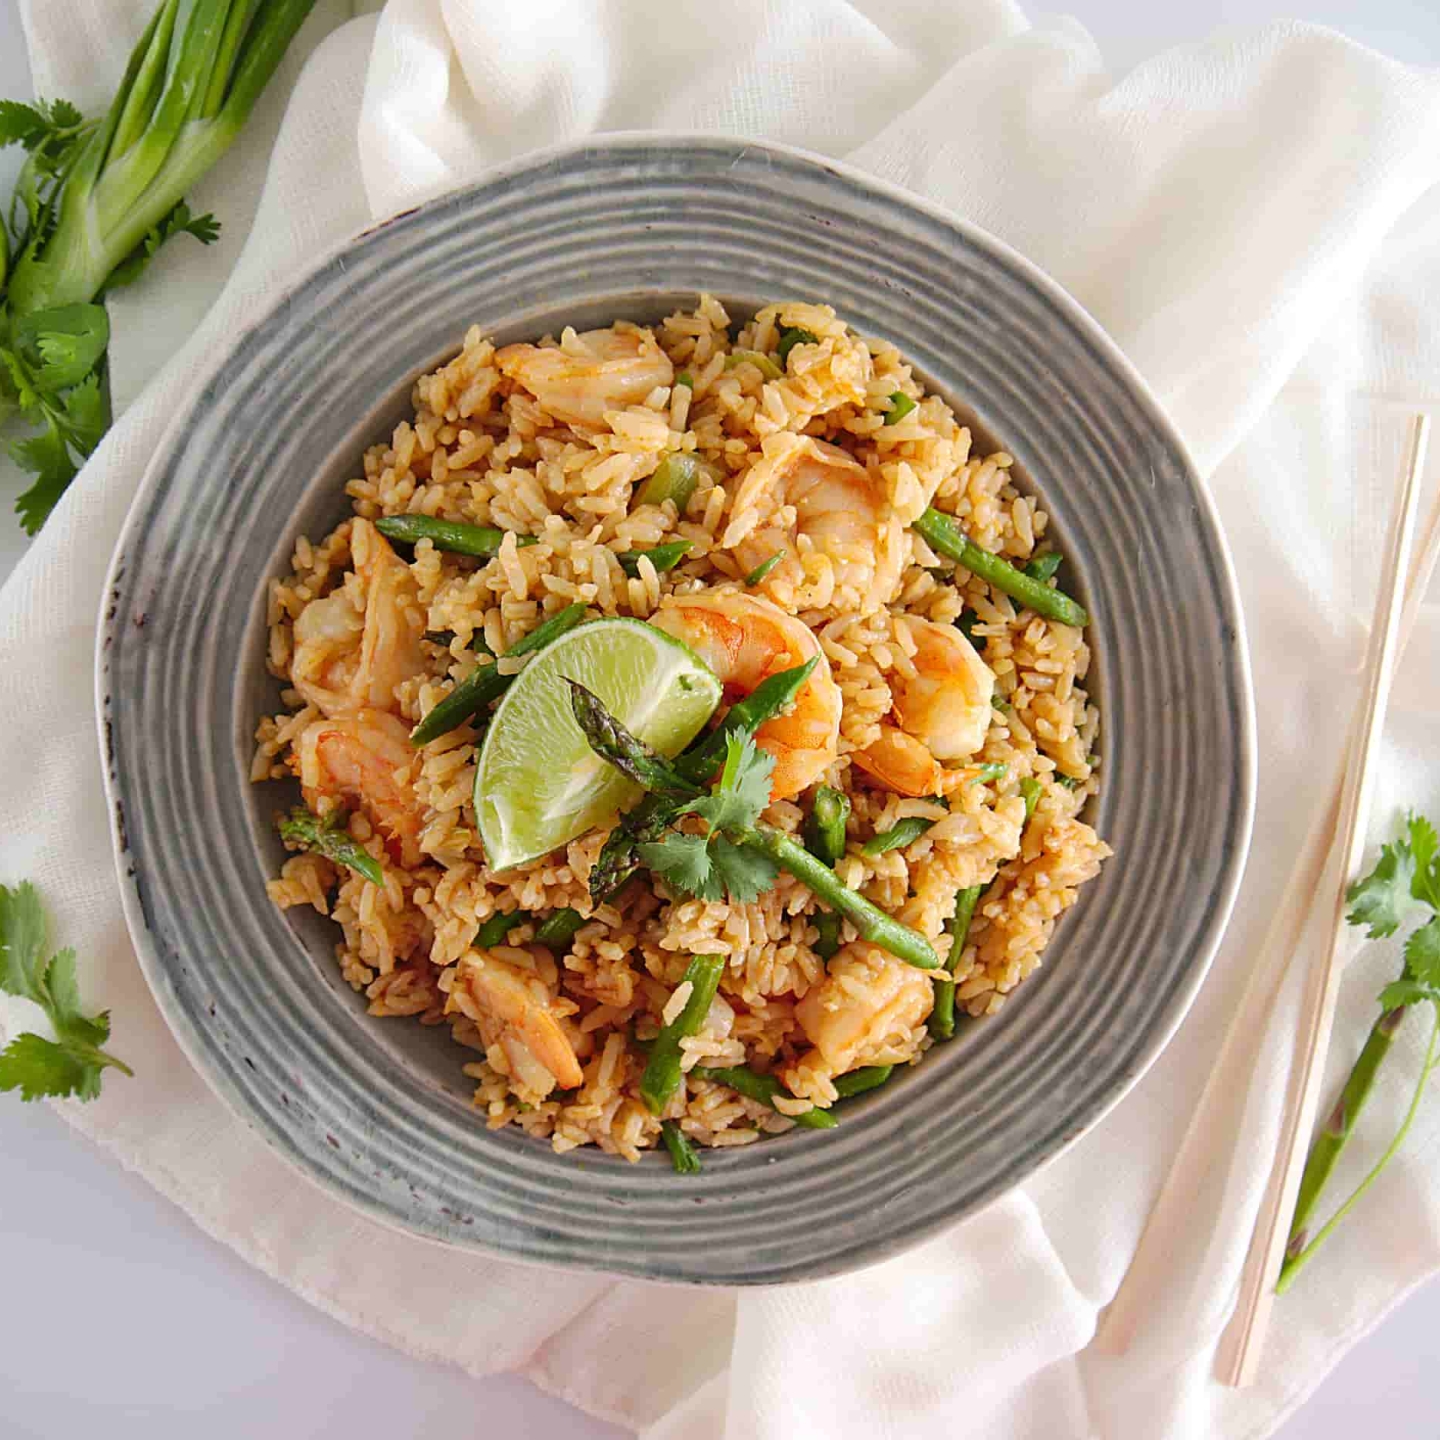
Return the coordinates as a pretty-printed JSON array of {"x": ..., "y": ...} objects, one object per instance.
[{"x": 1255, "y": 221}]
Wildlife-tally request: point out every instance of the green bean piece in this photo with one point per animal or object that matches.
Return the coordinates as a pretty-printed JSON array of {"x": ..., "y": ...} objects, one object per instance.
[
  {"x": 675, "y": 478},
  {"x": 683, "y": 1154},
  {"x": 481, "y": 541},
  {"x": 872, "y": 923},
  {"x": 991, "y": 770},
  {"x": 764, "y": 1088},
  {"x": 942, "y": 1015},
  {"x": 857, "y": 1082},
  {"x": 900, "y": 834},
  {"x": 901, "y": 405},
  {"x": 769, "y": 698},
  {"x": 486, "y": 684},
  {"x": 686, "y": 379},
  {"x": 1043, "y": 567},
  {"x": 1030, "y": 791},
  {"x": 790, "y": 337},
  {"x": 944, "y": 535},
  {"x": 763, "y": 363},
  {"x": 662, "y": 1072},
  {"x": 825, "y": 824},
  {"x": 498, "y": 926},
  {"x": 758, "y": 574},
  {"x": 327, "y": 837},
  {"x": 662, "y": 557},
  {"x": 556, "y": 931},
  {"x": 828, "y": 923}
]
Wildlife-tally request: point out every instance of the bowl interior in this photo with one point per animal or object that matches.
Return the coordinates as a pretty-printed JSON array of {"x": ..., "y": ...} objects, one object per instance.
[{"x": 378, "y": 1111}]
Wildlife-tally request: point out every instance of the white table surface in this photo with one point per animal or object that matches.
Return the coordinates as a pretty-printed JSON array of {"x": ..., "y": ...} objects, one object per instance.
[{"x": 119, "y": 1317}]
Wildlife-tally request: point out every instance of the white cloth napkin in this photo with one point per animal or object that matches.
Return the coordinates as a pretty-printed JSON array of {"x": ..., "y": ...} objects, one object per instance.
[{"x": 1250, "y": 219}]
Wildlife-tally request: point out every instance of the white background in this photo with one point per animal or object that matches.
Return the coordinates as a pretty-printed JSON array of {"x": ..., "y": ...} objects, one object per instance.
[{"x": 119, "y": 1318}]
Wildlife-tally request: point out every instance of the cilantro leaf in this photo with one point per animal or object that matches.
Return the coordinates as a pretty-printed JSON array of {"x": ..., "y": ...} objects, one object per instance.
[
  {"x": 38, "y": 1067},
  {"x": 22, "y": 124},
  {"x": 62, "y": 345},
  {"x": 1379, "y": 899},
  {"x": 1399, "y": 993},
  {"x": 47, "y": 457},
  {"x": 87, "y": 413},
  {"x": 205, "y": 228},
  {"x": 745, "y": 874},
  {"x": 743, "y": 789},
  {"x": 683, "y": 862},
  {"x": 1422, "y": 954},
  {"x": 71, "y": 1063},
  {"x": 1425, "y": 849},
  {"x": 64, "y": 116}
]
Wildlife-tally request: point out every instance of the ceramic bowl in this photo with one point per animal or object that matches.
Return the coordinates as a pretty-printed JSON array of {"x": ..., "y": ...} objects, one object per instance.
[{"x": 632, "y": 226}]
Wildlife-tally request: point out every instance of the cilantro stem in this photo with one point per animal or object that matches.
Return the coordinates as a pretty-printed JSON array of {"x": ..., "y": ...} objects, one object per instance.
[{"x": 1297, "y": 1262}]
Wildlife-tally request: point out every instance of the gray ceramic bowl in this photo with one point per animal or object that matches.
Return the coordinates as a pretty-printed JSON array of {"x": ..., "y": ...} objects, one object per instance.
[{"x": 376, "y": 1111}]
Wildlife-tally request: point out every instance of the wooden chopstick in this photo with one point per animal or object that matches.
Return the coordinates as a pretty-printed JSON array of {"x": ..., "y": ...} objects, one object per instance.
[
  {"x": 1240, "y": 1344},
  {"x": 1147, "y": 1280}
]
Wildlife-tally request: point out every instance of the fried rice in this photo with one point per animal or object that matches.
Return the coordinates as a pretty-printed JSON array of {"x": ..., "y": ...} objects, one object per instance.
[{"x": 482, "y": 448}]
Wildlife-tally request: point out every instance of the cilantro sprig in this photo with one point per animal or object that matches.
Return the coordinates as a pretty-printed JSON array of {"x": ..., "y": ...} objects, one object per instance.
[
  {"x": 1405, "y": 879},
  {"x": 95, "y": 201},
  {"x": 72, "y": 1062}
]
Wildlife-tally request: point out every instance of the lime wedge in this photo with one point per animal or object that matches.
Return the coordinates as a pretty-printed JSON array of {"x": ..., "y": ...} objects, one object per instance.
[{"x": 538, "y": 783}]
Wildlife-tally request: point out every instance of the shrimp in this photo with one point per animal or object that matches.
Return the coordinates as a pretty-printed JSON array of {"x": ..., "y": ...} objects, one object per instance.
[
  {"x": 941, "y": 712},
  {"x": 519, "y": 1004},
  {"x": 863, "y": 1011},
  {"x": 589, "y": 374},
  {"x": 806, "y": 490},
  {"x": 348, "y": 660},
  {"x": 366, "y": 758},
  {"x": 745, "y": 640}
]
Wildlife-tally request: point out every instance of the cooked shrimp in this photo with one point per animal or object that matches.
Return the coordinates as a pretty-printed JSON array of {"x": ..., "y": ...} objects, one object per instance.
[
  {"x": 589, "y": 374},
  {"x": 864, "y": 1010},
  {"x": 349, "y": 659},
  {"x": 941, "y": 712},
  {"x": 519, "y": 1004},
  {"x": 802, "y": 488},
  {"x": 745, "y": 640},
  {"x": 368, "y": 760}
]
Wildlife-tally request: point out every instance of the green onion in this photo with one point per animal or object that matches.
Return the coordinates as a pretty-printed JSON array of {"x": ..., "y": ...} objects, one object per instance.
[
  {"x": 945, "y": 536},
  {"x": 942, "y": 1015},
  {"x": 662, "y": 1072},
  {"x": 999, "y": 702},
  {"x": 1070, "y": 782},
  {"x": 900, "y": 406},
  {"x": 1043, "y": 567},
  {"x": 991, "y": 770},
  {"x": 857, "y": 1082},
  {"x": 683, "y": 1154},
  {"x": 967, "y": 624},
  {"x": 1031, "y": 790},
  {"x": 662, "y": 557},
  {"x": 790, "y": 337},
  {"x": 481, "y": 541},
  {"x": 902, "y": 833},
  {"x": 675, "y": 479},
  {"x": 763, "y": 363},
  {"x": 686, "y": 379},
  {"x": 758, "y": 574}
]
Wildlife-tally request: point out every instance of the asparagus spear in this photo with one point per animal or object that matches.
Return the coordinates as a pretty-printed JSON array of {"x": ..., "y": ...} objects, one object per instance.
[
  {"x": 486, "y": 684},
  {"x": 662, "y": 557},
  {"x": 558, "y": 930},
  {"x": 943, "y": 534},
  {"x": 827, "y": 944},
  {"x": 482, "y": 541},
  {"x": 755, "y": 1086},
  {"x": 683, "y": 1154},
  {"x": 825, "y": 825},
  {"x": 1043, "y": 567},
  {"x": 630, "y": 755},
  {"x": 857, "y": 1082},
  {"x": 771, "y": 696},
  {"x": 498, "y": 926},
  {"x": 900, "y": 834},
  {"x": 327, "y": 837},
  {"x": 790, "y": 337},
  {"x": 662, "y": 1072},
  {"x": 675, "y": 478}
]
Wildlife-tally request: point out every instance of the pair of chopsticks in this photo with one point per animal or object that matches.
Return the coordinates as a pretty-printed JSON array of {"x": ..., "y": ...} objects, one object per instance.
[{"x": 1340, "y": 825}]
